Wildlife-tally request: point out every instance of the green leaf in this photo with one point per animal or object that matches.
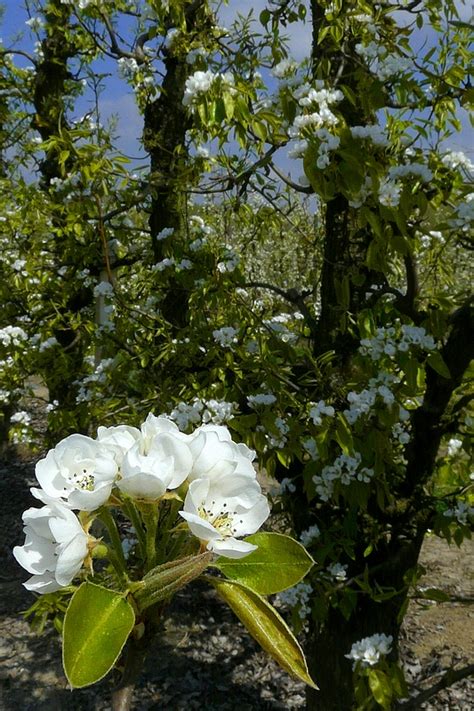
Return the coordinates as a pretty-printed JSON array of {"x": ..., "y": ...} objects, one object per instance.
[
  {"x": 343, "y": 434},
  {"x": 278, "y": 563},
  {"x": 228, "y": 100},
  {"x": 380, "y": 688},
  {"x": 264, "y": 17},
  {"x": 97, "y": 624},
  {"x": 266, "y": 627},
  {"x": 435, "y": 594},
  {"x": 435, "y": 361}
]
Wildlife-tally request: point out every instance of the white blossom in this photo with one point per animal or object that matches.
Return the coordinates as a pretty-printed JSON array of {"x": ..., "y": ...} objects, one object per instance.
[
  {"x": 171, "y": 36},
  {"x": 225, "y": 336},
  {"x": 337, "y": 571},
  {"x": 316, "y": 412},
  {"x": 223, "y": 509},
  {"x": 311, "y": 448},
  {"x": 375, "y": 134},
  {"x": 298, "y": 596},
  {"x": 164, "y": 264},
  {"x": 104, "y": 288},
  {"x": 215, "y": 454},
  {"x": 457, "y": 159},
  {"x": 368, "y": 651},
  {"x": 21, "y": 417},
  {"x": 48, "y": 343},
  {"x": 261, "y": 399},
  {"x": 198, "y": 83},
  {"x": 389, "y": 192},
  {"x": 160, "y": 459},
  {"x": 12, "y": 335},
  {"x": 55, "y": 547},
  {"x": 454, "y": 446},
  {"x": 164, "y": 233},
  {"x": 286, "y": 485},
  {"x": 309, "y": 535},
  {"x": 284, "y": 68},
  {"x": 79, "y": 472},
  {"x": 462, "y": 512},
  {"x": 127, "y": 67}
]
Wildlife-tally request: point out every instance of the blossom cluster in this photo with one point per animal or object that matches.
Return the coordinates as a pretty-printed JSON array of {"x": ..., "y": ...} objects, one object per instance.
[
  {"x": 337, "y": 571},
  {"x": 381, "y": 62},
  {"x": 203, "y": 412},
  {"x": 390, "y": 186},
  {"x": 462, "y": 512},
  {"x": 387, "y": 341},
  {"x": 368, "y": 651},
  {"x": 316, "y": 412},
  {"x": 259, "y": 399},
  {"x": 298, "y": 596},
  {"x": 214, "y": 475},
  {"x": 310, "y": 535},
  {"x": 225, "y": 336},
  {"x": 375, "y": 134},
  {"x": 12, "y": 335},
  {"x": 201, "y": 82},
  {"x": 324, "y": 117},
  {"x": 345, "y": 469}
]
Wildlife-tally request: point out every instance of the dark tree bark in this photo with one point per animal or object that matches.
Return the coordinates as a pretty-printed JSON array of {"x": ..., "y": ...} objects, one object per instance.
[
  {"x": 165, "y": 126},
  {"x": 49, "y": 120},
  {"x": 345, "y": 250}
]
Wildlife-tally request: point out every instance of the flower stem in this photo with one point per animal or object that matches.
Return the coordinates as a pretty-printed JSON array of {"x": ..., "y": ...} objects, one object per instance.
[
  {"x": 116, "y": 555},
  {"x": 161, "y": 551},
  {"x": 132, "y": 513},
  {"x": 150, "y": 517}
]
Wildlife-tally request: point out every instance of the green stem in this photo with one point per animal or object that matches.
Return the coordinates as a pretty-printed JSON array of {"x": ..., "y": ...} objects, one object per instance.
[
  {"x": 116, "y": 554},
  {"x": 132, "y": 513},
  {"x": 161, "y": 553},
  {"x": 150, "y": 517}
]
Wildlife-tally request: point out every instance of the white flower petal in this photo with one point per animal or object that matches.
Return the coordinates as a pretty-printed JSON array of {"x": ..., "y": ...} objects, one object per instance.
[
  {"x": 196, "y": 494},
  {"x": 64, "y": 525},
  {"x": 250, "y": 521},
  {"x": 49, "y": 477},
  {"x": 142, "y": 485},
  {"x": 231, "y": 547},
  {"x": 42, "y": 584},
  {"x": 35, "y": 556},
  {"x": 90, "y": 500},
  {"x": 70, "y": 559},
  {"x": 119, "y": 439},
  {"x": 199, "y": 527},
  {"x": 165, "y": 446},
  {"x": 56, "y": 555}
]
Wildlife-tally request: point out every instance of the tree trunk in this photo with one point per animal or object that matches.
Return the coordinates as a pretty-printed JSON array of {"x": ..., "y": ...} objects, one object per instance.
[
  {"x": 49, "y": 120},
  {"x": 332, "y": 640},
  {"x": 135, "y": 656}
]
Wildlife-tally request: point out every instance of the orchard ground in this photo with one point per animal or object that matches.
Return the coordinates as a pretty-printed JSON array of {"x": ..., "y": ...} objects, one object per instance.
[{"x": 206, "y": 659}]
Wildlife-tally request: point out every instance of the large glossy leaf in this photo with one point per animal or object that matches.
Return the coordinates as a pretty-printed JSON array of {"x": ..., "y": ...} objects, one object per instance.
[
  {"x": 278, "y": 563},
  {"x": 266, "y": 627},
  {"x": 97, "y": 624}
]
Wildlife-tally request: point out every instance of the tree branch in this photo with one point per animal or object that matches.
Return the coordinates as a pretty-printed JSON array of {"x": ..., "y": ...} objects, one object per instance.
[
  {"x": 448, "y": 679},
  {"x": 457, "y": 353}
]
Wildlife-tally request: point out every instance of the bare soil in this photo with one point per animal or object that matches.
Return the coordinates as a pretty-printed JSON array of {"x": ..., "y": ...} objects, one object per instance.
[{"x": 206, "y": 660}]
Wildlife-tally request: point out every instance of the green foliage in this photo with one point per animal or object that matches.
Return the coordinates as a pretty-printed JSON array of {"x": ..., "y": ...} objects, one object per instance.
[
  {"x": 261, "y": 255},
  {"x": 97, "y": 624},
  {"x": 278, "y": 563},
  {"x": 266, "y": 626}
]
